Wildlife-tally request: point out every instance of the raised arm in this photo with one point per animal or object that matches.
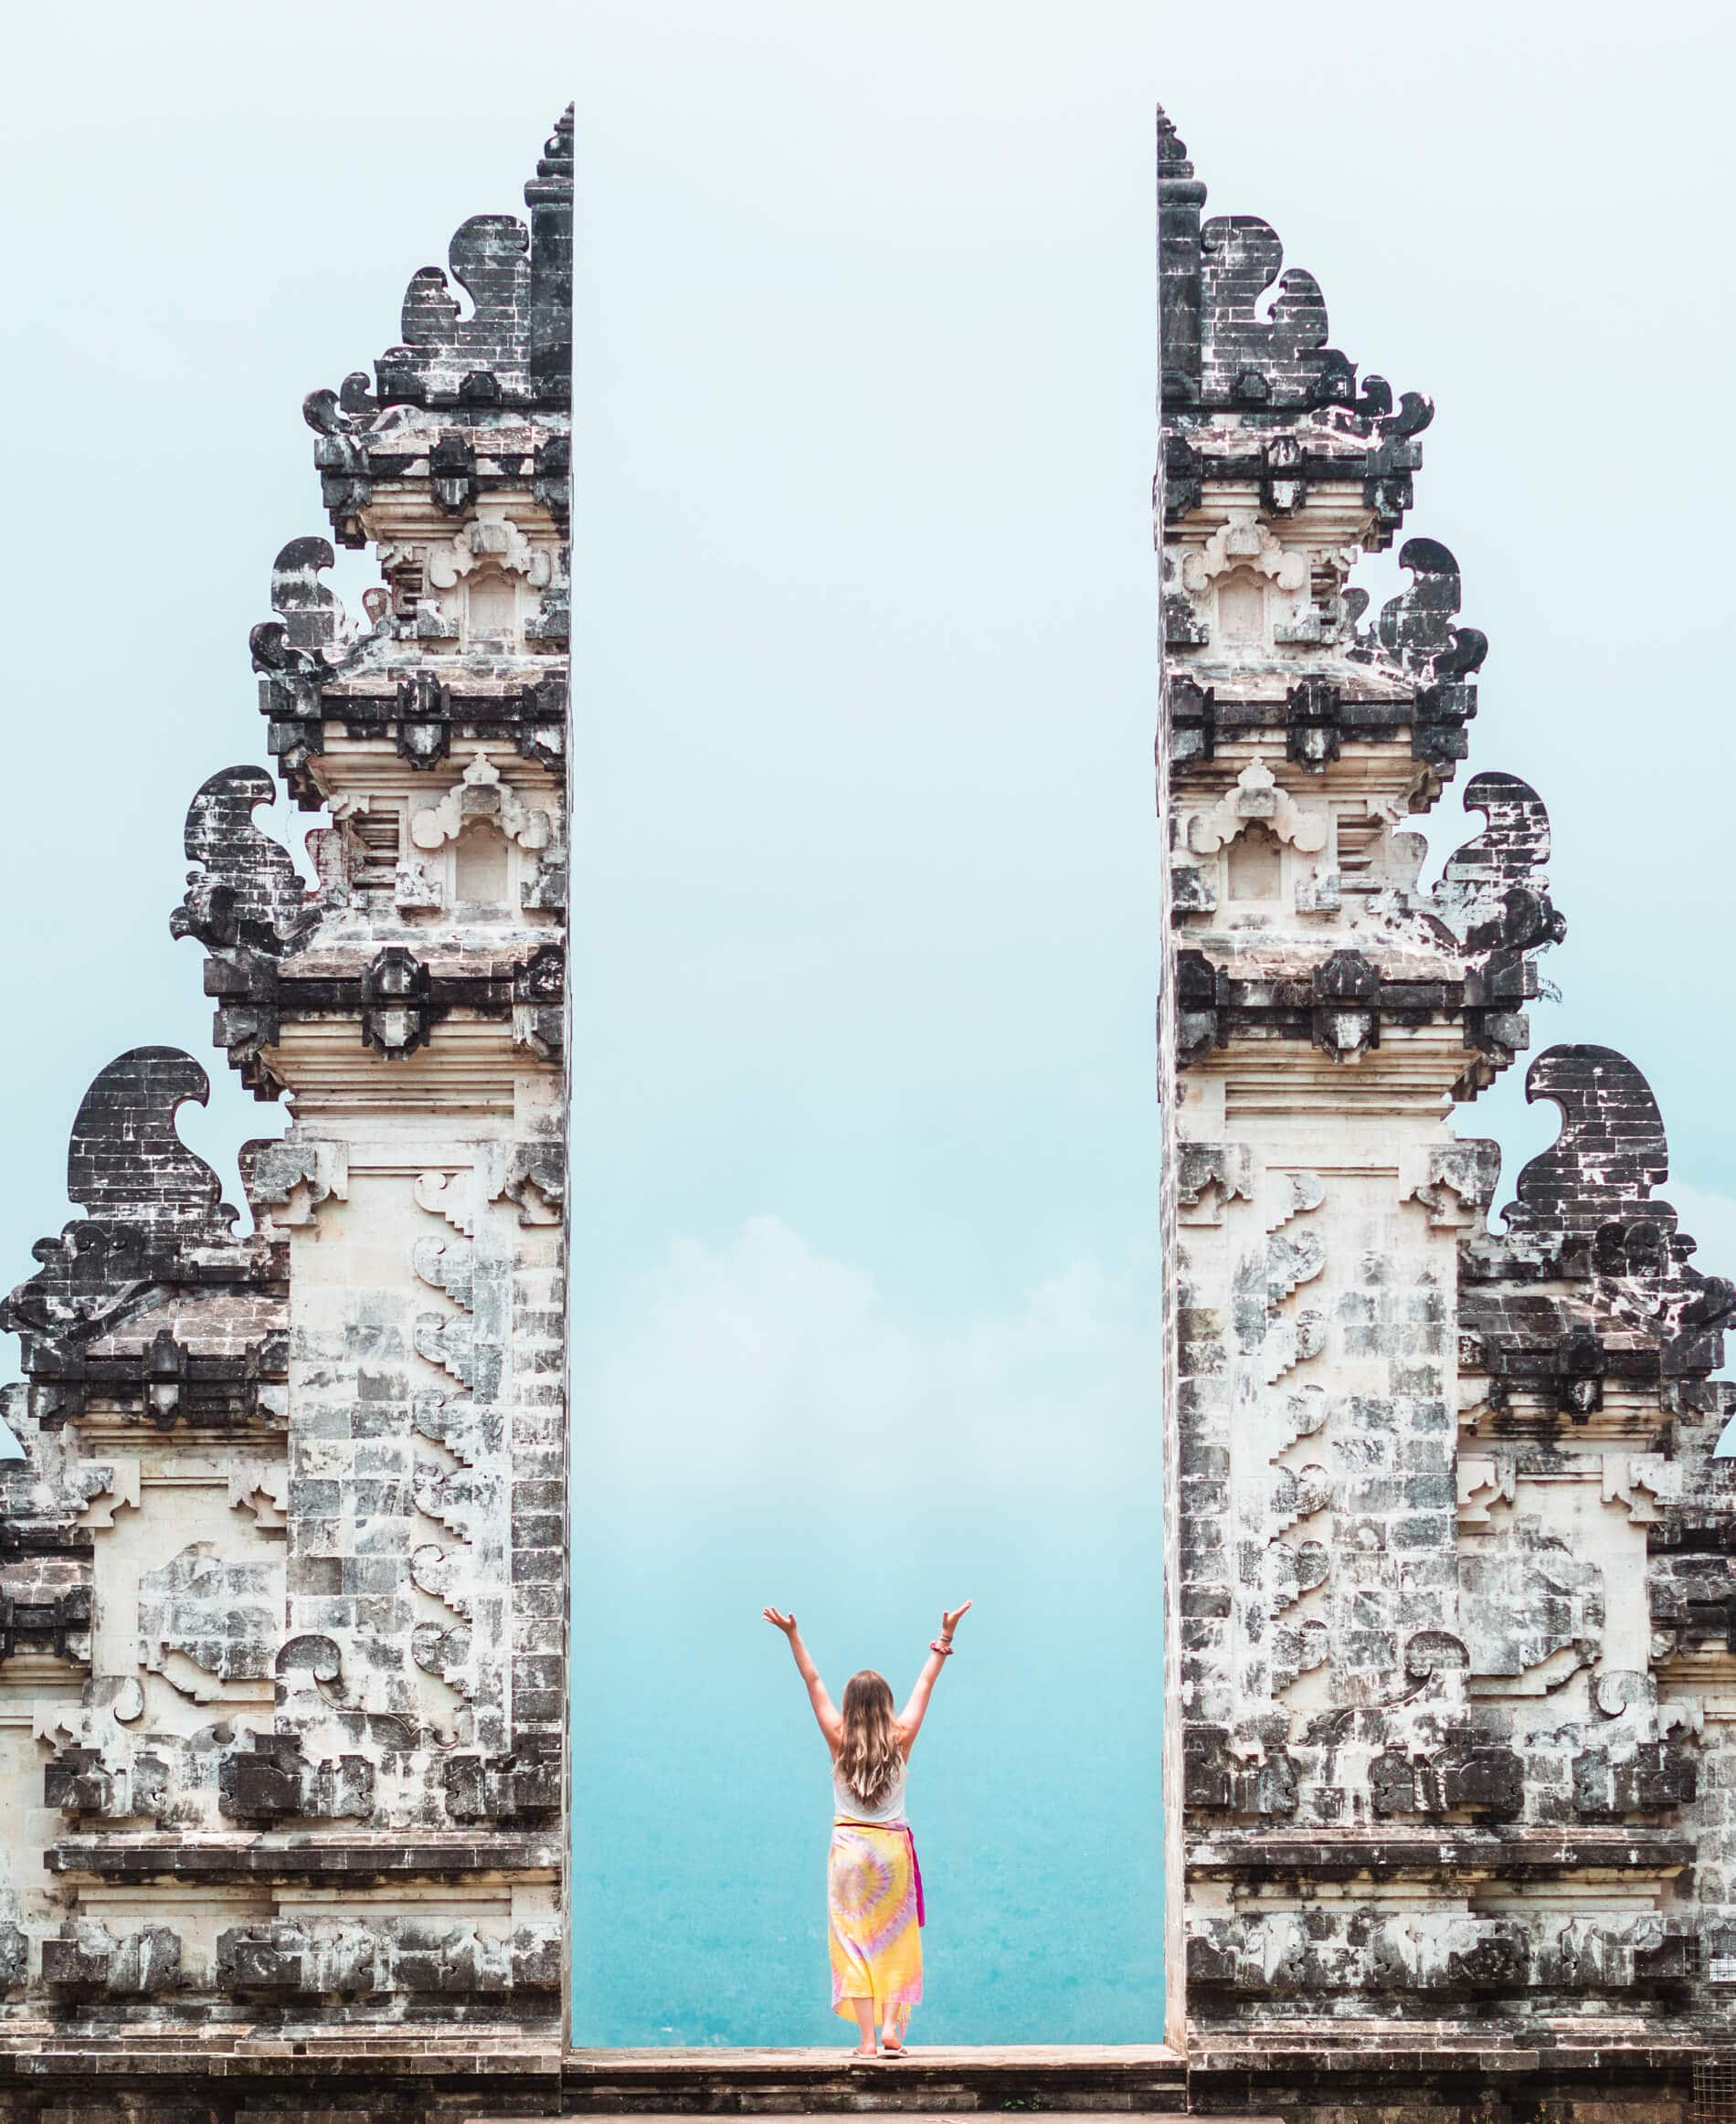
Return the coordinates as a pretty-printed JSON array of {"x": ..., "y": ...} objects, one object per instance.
[
  {"x": 916, "y": 1709},
  {"x": 825, "y": 1711}
]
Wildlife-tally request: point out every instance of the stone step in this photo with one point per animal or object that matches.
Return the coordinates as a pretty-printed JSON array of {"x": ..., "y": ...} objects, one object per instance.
[{"x": 1086, "y": 2080}]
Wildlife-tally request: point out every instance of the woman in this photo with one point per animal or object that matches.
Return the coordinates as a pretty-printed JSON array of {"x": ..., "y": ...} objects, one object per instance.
[{"x": 873, "y": 1884}]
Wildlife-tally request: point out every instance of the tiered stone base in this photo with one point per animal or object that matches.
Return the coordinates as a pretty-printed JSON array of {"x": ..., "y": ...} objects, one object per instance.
[{"x": 1268, "y": 2076}]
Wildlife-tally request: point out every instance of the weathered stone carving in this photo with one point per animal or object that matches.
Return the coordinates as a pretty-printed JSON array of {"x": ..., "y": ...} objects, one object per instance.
[
  {"x": 246, "y": 890},
  {"x": 1451, "y": 1563},
  {"x": 151, "y": 1302},
  {"x": 85, "y": 1961},
  {"x": 285, "y": 1548},
  {"x": 1491, "y": 890}
]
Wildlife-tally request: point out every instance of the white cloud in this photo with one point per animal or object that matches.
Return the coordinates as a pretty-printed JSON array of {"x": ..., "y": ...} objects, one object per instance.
[{"x": 724, "y": 1358}]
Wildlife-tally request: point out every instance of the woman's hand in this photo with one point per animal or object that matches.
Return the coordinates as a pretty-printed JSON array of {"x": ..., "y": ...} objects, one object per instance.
[
  {"x": 824, "y": 1710},
  {"x": 916, "y": 1709}
]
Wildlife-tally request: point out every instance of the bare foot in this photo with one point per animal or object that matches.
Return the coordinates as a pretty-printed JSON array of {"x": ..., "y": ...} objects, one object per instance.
[{"x": 891, "y": 2047}]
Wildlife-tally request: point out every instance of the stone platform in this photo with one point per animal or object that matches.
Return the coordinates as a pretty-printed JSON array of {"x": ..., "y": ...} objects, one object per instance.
[
  {"x": 1599, "y": 2073},
  {"x": 1084, "y": 2079}
]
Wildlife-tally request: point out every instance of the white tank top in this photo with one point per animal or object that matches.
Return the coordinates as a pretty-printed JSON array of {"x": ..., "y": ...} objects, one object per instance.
[{"x": 889, "y": 1813}]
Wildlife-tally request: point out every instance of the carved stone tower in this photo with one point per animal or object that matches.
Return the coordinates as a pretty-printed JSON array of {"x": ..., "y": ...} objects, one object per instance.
[
  {"x": 1454, "y": 1679},
  {"x": 282, "y": 1587}
]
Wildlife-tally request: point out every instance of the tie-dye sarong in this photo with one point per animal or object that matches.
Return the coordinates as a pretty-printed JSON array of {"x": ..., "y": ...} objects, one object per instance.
[{"x": 874, "y": 1935}]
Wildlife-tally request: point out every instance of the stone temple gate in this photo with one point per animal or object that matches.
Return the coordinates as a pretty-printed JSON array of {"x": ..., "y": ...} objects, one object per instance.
[{"x": 1451, "y": 1776}]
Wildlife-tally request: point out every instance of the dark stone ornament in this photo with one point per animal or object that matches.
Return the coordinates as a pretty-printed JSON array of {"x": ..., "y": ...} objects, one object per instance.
[{"x": 397, "y": 1016}]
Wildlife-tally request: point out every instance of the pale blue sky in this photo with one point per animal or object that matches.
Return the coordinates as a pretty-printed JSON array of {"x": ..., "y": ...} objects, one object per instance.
[{"x": 865, "y": 874}]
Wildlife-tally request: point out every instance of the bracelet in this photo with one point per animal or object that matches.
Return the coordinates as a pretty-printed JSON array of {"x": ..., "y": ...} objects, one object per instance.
[{"x": 945, "y": 1651}]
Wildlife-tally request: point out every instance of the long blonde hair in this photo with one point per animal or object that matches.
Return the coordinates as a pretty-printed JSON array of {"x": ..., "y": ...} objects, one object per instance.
[{"x": 869, "y": 1754}]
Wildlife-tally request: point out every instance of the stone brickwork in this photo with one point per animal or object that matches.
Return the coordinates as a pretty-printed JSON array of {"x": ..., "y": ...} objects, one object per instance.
[
  {"x": 1453, "y": 1612},
  {"x": 281, "y": 1573}
]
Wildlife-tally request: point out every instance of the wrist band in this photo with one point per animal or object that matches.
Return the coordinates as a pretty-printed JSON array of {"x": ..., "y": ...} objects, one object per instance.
[{"x": 943, "y": 1650}]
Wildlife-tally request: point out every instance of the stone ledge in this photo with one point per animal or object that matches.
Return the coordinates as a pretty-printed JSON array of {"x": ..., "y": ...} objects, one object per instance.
[
  {"x": 1596, "y": 2047},
  {"x": 1452, "y": 1848},
  {"x": 352, "y": 1859},
  {"x": 134, "y": 2064},
  {"x": 143, "y": 2055},
  {"x": 1085, "y": 2077}
]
